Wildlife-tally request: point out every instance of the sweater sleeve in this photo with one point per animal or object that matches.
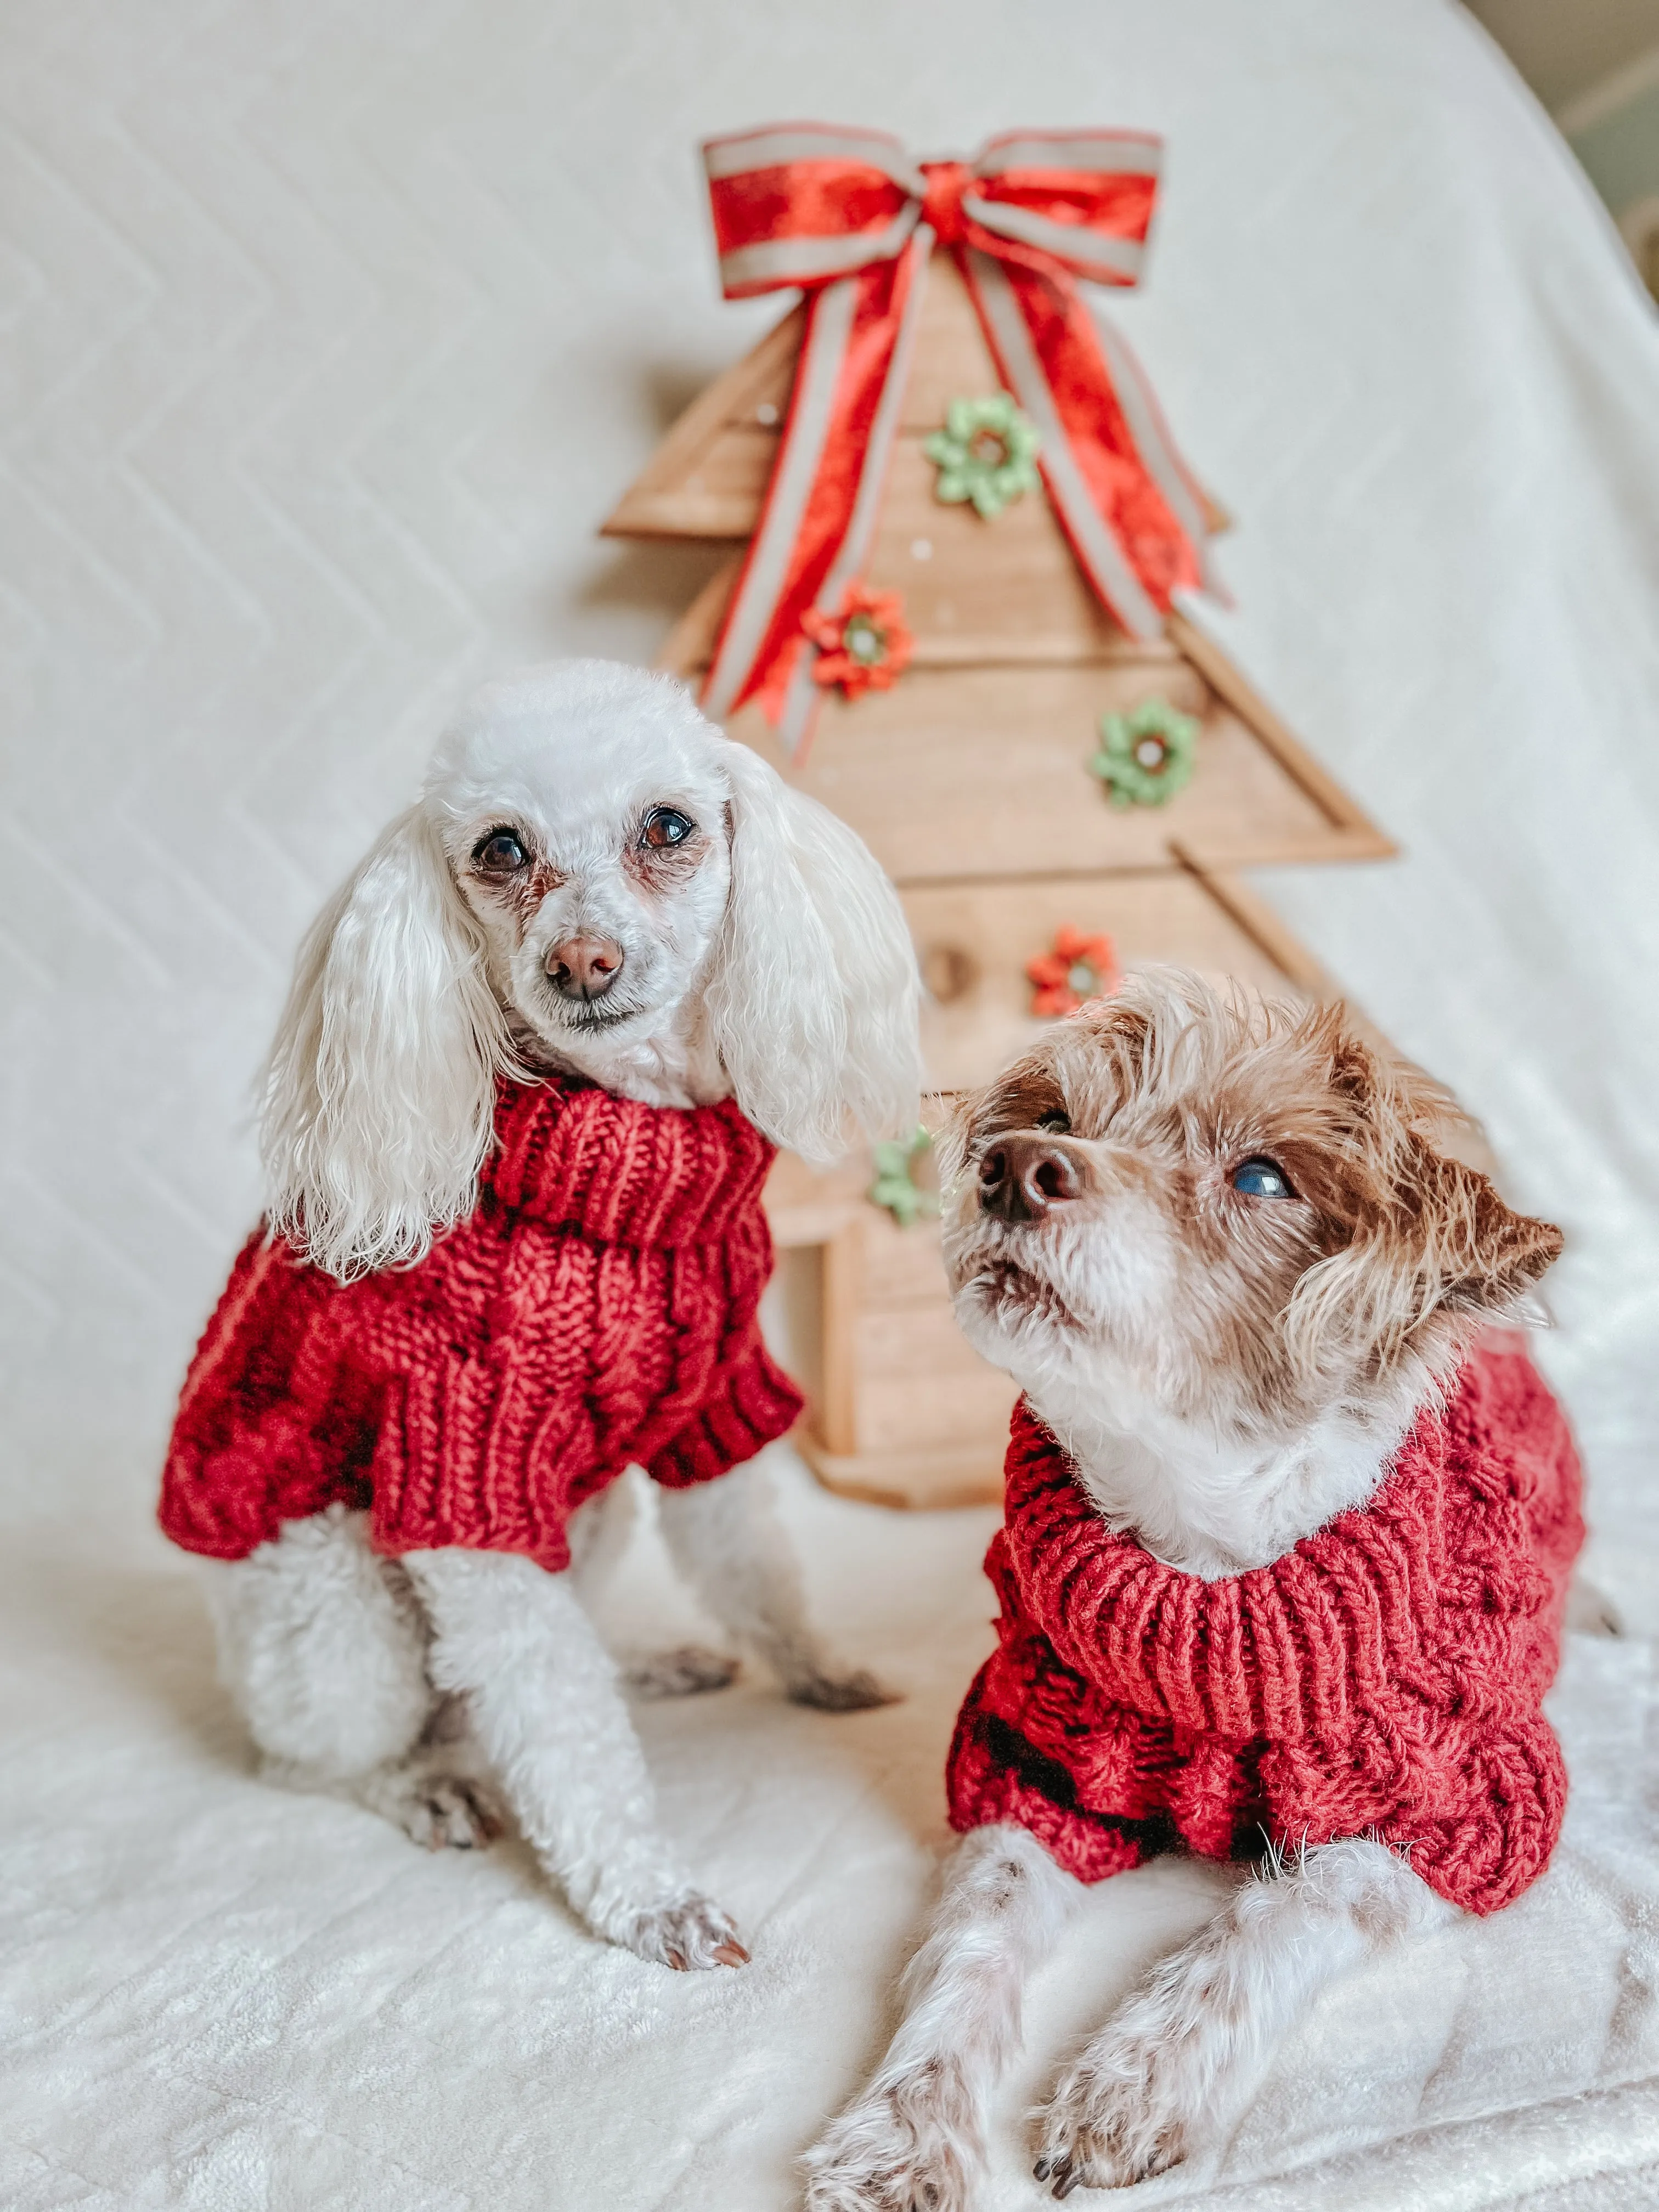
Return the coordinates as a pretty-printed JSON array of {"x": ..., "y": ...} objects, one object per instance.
[
  {"x": 273, "y": 1423},
  {"x": 1286, "y": 1651},
  {"x": 755, "y": 1405}
]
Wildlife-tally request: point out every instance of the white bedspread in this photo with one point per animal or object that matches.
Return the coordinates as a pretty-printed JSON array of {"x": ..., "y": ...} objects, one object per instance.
[
  {"x": 227, "y": 1997},
  {"x": 330, "y": 333}
]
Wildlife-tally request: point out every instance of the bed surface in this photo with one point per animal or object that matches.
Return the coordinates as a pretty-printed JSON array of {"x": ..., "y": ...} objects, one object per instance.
[{"x": 219, "y": 1995}]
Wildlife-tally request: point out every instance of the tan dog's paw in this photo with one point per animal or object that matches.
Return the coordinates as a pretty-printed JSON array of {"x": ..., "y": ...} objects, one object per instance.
[
  {"x": 690, "y": 1934},
  {"x": 897, "y": 2150},
  {"x": 1126, "y": 2108},
  {"x": 434, "y": 1802},
  {"x": 1109, "y": 2150},
  {"x": 452, "y": 1811}
]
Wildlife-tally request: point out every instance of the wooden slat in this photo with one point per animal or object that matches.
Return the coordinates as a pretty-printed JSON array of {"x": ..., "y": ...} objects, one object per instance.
[
  {"x": 900, "y": 1266},
  {"x": 808, "y": 1206},
  {"x": 1256, "y": 921},
  {"x": 1329, "y": 826},
  {"x": 835, "y": 1411},
  {"x": 689, "y": 646},
  {"x": 957, "y": 609},
  {"x": 719, "y": 498},
  {"x": 1365, "y": 840},
  {"x": 981, "y": 771},
  {"x": 921, "y": 1387},
  {"x": 951, "y": 359},
  {"x": 708, "y": 476},
  {"x": 984, "y": 933},
  {"x": 968, "y": 1473},
  {"x": 1005, "y": 588}
]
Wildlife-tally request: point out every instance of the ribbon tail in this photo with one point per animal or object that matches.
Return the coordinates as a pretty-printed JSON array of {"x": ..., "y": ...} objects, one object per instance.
[
  {"x": 1154, "y": 442},
  {"x": 822, "y": 502},
  {"x": 738, "y": 668},
  {"x": 799, "y": 718},
  {"x": 1127, "y": 537}
]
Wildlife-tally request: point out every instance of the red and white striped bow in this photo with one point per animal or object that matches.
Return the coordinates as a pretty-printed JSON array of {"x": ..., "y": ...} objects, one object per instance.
[{"x": 850, "y": 217}]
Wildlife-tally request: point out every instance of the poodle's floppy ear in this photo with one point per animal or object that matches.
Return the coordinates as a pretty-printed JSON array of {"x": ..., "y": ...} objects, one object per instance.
[
  {"x": 379, "y": 1092},
  {"x": 813, "y": 993}
]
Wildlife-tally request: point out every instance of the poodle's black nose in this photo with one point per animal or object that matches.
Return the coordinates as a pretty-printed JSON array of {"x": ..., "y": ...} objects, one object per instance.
[
  {"x": 584, "y": 966},
  {"x": 1026, "y": 1175}
]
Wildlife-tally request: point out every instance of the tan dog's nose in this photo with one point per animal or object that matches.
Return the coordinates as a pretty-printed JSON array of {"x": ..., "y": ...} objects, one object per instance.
[
  {"x": 1026, "y": 1175},
  {"x": 584, "y": 966}
]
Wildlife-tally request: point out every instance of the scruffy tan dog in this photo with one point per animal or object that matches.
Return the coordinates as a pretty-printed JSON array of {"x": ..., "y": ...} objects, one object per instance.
[{"x": 1287, "y": 1535}]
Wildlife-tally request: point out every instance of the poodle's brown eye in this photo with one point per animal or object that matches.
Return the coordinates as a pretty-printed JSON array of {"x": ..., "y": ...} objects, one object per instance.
[
  {"x": 500, "y": 853},
  {"x": 1261, "y": 1177},
  {"x": 1057, "y": 1119},
  {"x": 666, "y": 825}
]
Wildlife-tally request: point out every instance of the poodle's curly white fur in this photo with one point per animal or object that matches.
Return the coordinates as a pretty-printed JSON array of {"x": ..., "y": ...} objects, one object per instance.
[{"x": 594, "y": 881}]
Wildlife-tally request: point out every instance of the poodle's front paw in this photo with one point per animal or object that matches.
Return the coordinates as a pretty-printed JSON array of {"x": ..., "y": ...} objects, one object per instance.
[
  {"x": 1127, "y": 2109},
  {"x": 451, "y": 1811},
  {"x": 900, "y": 2149},
  {"x": 685, "y": 1672},
  {"x": 830, "y": 1691},
  {"x": 693, "y": 1932}
]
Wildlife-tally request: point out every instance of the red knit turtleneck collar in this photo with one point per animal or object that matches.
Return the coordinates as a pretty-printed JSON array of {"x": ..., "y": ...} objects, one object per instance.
[
  {"x": 572, "y": 1155},
  {"x": 1294, "y": 1648}
]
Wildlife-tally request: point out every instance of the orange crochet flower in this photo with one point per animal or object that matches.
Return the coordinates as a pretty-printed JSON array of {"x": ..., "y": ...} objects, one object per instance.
[
  {"x": 1078, "y": 968},
  {"x": 865, "y": 646}
]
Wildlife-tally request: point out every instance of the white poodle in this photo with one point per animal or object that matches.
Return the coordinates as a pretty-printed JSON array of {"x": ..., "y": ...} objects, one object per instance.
[{"x": 595, "y": 884}]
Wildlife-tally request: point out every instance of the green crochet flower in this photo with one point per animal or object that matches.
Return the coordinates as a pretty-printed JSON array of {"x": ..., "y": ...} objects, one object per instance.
[
  {"x": 1147, "y": 755},
  {"x": 894, "y": 1186},
  {"x": 986, "y": 453}
]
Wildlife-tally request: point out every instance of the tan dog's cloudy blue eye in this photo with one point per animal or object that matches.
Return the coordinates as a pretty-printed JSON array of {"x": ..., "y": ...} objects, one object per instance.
[
  {"x": 666, "y": 825},
  {"x": 1260, "y": 1177},
  {"x": 499, "y": 853}
]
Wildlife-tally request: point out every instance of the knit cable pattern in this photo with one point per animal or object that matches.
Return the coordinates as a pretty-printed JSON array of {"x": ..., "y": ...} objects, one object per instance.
[
  {"x": 597, "y": 1308},
  {"x": 1385, "y": 1675}
]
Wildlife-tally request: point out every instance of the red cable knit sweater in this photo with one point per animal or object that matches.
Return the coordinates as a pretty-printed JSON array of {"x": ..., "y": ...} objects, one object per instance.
[
  {"x": 597, "y": 1308},
  {"x": 1385, "y": 1676}
]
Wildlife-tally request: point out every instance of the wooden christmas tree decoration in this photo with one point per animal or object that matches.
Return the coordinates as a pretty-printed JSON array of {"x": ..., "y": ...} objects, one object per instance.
[{"x": 923, "y": 623}]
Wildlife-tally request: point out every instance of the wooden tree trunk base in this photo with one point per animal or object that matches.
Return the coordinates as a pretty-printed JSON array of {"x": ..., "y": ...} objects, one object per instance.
[{"x": 968, "y": 1474}]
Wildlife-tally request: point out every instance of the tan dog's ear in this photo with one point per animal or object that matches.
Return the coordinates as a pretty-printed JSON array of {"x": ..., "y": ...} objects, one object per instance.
[
  {"x": 1488, "y": 1256},
  {"x": 1354, "y": 1069},
  {"x": 1428, "y": 1250}
]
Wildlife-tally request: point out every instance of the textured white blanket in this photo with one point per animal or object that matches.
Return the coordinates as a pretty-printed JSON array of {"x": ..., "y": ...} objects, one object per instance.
[
  {"x": 331, "y": 332},
  {"x": 222, "y": 1997}
]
